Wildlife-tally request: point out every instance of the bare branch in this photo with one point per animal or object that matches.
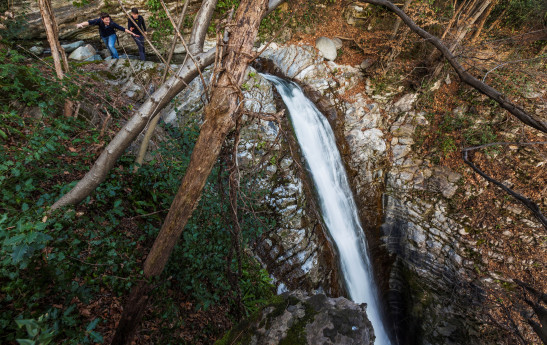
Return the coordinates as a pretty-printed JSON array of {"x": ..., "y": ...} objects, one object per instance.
[{"x": 532, "y": 206}]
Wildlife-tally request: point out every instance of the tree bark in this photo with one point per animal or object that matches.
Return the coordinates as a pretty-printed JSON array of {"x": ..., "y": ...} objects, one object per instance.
[
  {"x": 57, "y": 52},
  {"x": 201, "y": 24},
  {"x": 469, "y": 18},
  {"x": 220, "y": 118},
  {"x": 467, "y": 78},
  {"x": 482, "y": 21}
]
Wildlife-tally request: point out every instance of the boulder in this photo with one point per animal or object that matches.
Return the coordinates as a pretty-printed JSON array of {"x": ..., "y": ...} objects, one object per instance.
[
  {"x": 295, "y": 318},
  {"x": 366, "y": 63},
  {"x": 327, "y": 47},
  {"x": 95, "y": 57},
  {"x": 37, "y": 50},
  {"x": 70, "y": 47},
  {"x": 337, "y": 42},
  {"x": 83, "y": 53}
]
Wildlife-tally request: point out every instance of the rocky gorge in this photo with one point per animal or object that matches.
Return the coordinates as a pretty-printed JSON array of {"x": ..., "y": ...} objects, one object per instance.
[
  {"x": 425, "y": 256},
  {"x": 431, "y": 263}
]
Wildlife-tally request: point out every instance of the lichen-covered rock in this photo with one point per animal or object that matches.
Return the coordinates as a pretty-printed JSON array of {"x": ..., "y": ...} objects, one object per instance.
[
  {"x": 295, "y": 318},
  {"x": 37, "y": 50}
]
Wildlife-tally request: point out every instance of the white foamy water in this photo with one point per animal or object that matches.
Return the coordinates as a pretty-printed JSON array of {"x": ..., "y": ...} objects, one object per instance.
[{"x": 338, "y": 208}]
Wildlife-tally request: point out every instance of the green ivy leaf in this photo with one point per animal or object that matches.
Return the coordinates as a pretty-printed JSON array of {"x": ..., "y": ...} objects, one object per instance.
[
  {"x": 92, "y": 325},
  {"x": 18, "y": 253}
]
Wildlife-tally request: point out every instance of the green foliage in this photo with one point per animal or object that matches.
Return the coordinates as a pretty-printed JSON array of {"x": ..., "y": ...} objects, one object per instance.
[
  {"x": 159, "y": 21},
  {"x": 480, "y": 136},
  {"x": 37, "y": 333},
  {"x": 519, "y": 13},
  {"x": 51, "y": 267},
  {"x": 224, "y": 6},
  {"x": 28, "y": 85}
]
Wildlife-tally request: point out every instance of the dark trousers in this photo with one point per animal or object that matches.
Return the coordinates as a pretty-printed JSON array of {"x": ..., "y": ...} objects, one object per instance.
[{"x": 140, "y": 43}]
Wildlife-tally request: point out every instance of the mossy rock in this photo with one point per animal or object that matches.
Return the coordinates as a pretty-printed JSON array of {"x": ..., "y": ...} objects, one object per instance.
[{"x": 295, "y": 318}]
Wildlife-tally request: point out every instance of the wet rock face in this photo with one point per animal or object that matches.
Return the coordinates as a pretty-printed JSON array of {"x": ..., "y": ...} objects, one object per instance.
[{"x": 296, "y": 318}]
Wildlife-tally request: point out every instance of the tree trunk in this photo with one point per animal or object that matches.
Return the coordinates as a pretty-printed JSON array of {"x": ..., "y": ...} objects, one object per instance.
[
  {"x": 131, "y": 130},
  {"x": 201, "y": 24},
  {"x": 483, "y": 19},
  {"x": 220, "y": 118},
  {"x": 57, "y": 52},
  {"x": 467, "y": 78},
  {"x": 470, "y": 17}
]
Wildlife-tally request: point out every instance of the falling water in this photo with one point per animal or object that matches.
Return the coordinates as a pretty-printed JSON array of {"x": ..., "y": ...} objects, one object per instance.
[{"x": 338, "y": 208}]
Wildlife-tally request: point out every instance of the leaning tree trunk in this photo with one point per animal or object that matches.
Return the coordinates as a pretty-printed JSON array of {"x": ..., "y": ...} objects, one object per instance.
[
  {"x": 131, "y": 130},
  {"x": 220, "y": 118},
  {"x": 465, "y": 76},
  {"x": 195, "y": 46},
  {"x": 57, "y": 52}
]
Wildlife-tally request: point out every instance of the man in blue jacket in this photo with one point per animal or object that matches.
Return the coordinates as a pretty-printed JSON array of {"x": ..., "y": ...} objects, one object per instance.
[
  {"x": 138, "y": 26},
  {"x": 107, "y": 31}
]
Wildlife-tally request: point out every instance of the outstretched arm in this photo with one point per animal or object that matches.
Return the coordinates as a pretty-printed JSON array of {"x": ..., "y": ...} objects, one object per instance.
[
  {"x": 82, "y": 24},
  {"x": 121, "y": 28},
  {"x": 131, "y": 32}
]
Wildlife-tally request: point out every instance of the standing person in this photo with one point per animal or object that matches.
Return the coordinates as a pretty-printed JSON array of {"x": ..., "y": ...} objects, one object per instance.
[
  {"x": 107, "y": 31},
  {"x": 139, "y": 28}
]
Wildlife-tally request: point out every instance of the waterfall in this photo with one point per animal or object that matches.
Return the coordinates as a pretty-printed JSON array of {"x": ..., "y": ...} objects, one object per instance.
[{"x": 316, "y": 140}]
